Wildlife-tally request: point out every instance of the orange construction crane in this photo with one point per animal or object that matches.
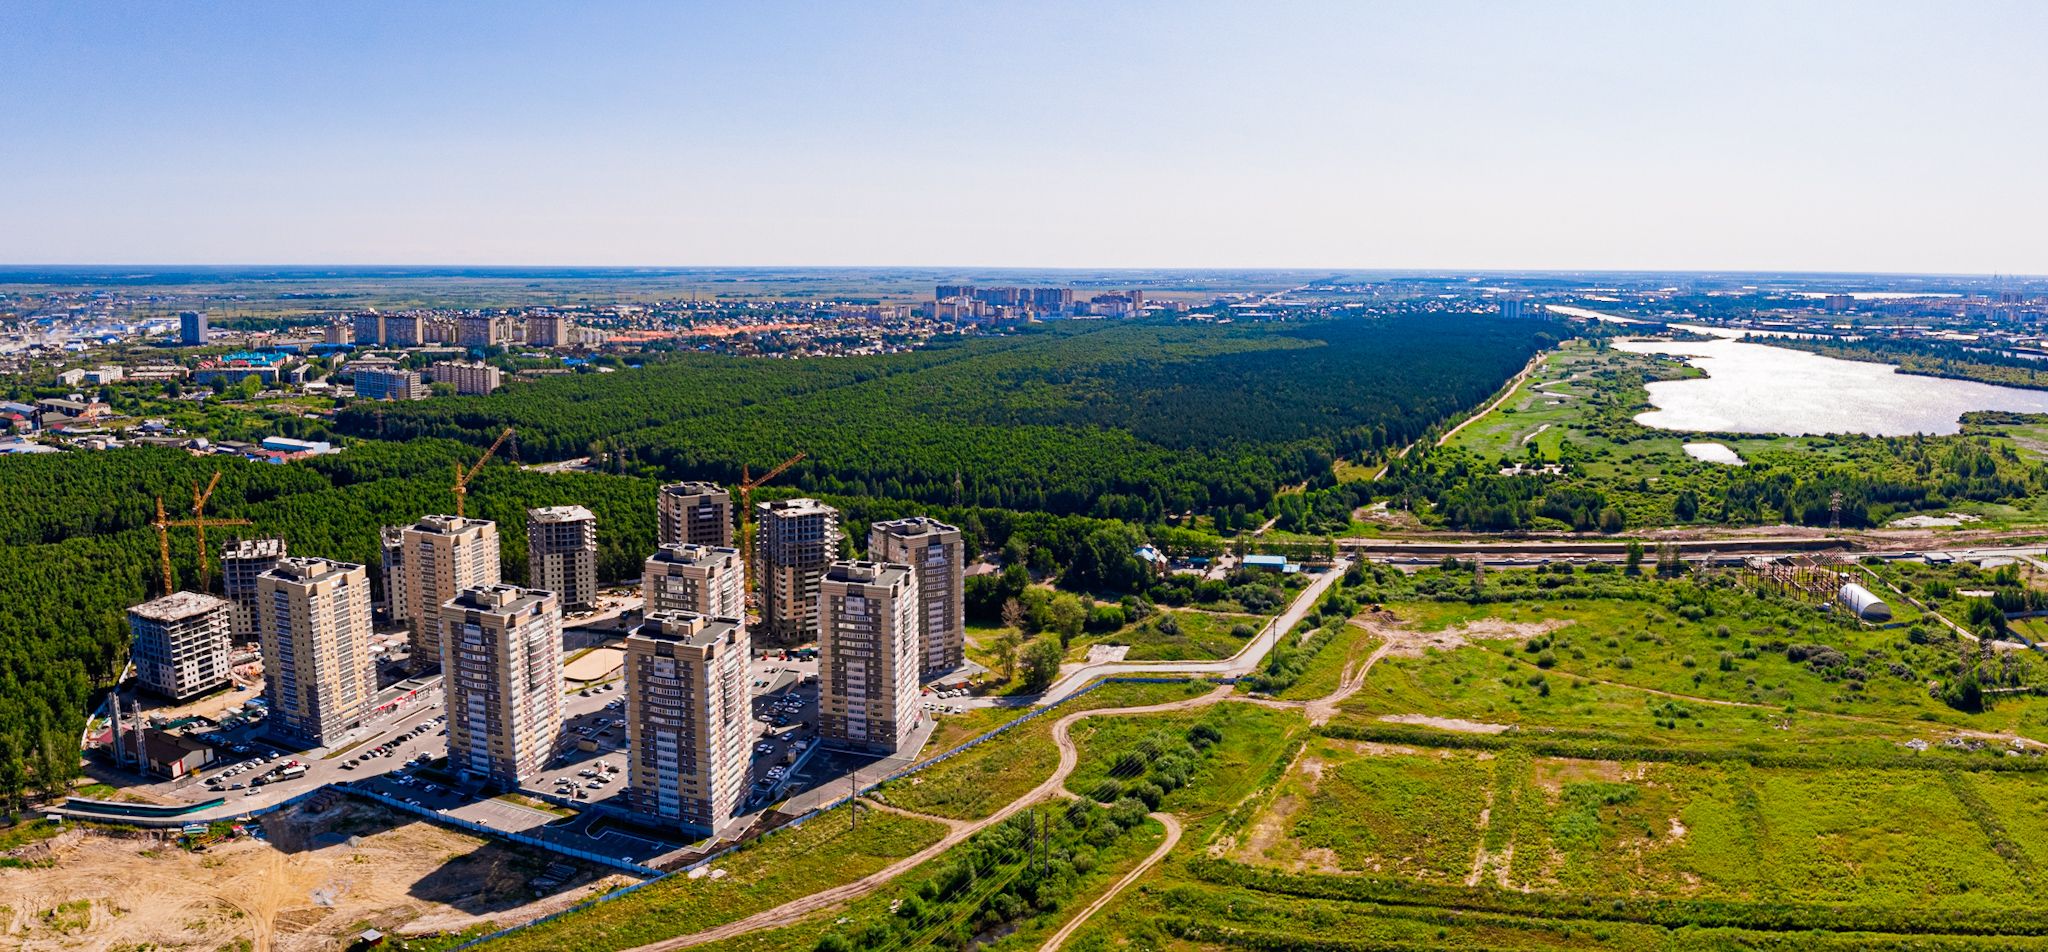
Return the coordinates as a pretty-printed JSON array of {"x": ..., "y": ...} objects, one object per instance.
[
  {"x": 747, "y": 487},
  {"x": 163, "y": 528},
  {"x": 462, "y": 478}
]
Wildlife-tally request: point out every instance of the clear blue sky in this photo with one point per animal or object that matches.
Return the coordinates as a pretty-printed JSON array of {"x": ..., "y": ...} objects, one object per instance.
[{"x": 1643, "y": 134}]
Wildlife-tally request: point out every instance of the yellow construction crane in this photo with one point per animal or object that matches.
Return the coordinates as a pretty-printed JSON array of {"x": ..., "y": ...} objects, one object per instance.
[
  {"x": 462, "y": 477},
  {"x": 747, "y": 487},
  {"x": 199, "y": 522}
]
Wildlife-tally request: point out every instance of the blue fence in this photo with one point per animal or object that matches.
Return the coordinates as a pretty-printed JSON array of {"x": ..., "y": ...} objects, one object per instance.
[{"x": 998, "y": 731}]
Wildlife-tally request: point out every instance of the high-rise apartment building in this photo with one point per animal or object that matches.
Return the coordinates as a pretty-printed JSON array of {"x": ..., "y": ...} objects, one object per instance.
[
  {"x": 313, "y": 621},
  {"x": 338, "y": 332},
  {"x": 240, "y": 564},
  {"x": 867, "y": 655},
  {"x": 394, "y": 599},
  {"x": 796, "y": 539},
  {"x": 936, "y": 553},
  {"x": 192, "y": 330},
  {"x": 503, "y": 681},
  {"x": 388, "y": 384},
  {"x": 549, "y": 330},
  {"x": 369, "y": 328},
  {"x": 483, "y": 330},
  {"x": 561, "y": 553},
  {"x": 181, "y": 644},
  {"x": 443, "y": 555},
  {"x": 404, "y": 330},
  {"x": 469, "y": 378},
  {"x": 687, "y": 718},
  {"x": 695, "y": 513},
  {"x": 700, "y": 579}
]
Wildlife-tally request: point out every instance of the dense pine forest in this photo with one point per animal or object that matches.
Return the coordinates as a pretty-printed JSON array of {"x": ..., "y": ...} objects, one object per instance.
[
  {"x": 1128, "y": 421},
  {"x": 1052, "y": 443}
]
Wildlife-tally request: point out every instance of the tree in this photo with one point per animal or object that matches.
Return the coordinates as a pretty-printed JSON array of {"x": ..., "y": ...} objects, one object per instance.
[
  {"x": 1041, "y": 662},
  {"x": 1005, "y": 648},
  {"x": 1013, "y": 614},
  {"x": 1068, "y": 616},
  {"x": 1635, "y": 557}
]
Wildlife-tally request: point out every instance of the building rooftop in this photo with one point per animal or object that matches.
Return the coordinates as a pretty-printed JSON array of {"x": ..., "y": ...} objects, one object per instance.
[
  {"x": 502, "y": 599},
  {"x": 686, "y": 554},
  {"x": 867, "y": 573},
  {"x": 559, "y": 514},
  {"x": 301, "y": 568},
  {"x": 686, "y": 628},
  {"x": 177, "y": 606},
  {"x": 449, "y": 525},
  {"x": 801, "y": 506},
  {"x": 691, "y": 488},
  {"x": 253, "y": 549},
  {"x": 914, "y": 526}
]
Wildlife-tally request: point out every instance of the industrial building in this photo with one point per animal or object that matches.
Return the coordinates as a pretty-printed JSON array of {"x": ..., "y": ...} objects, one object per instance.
[
  {"x": 181, "y": 644},
  {"x": 796, "y": 540},
  {"x": 561, "y": 553},
  {"x": 867, "y": 655},
  {"x": 687, "y": 718},
  {"x": 313, "y": 621},
  {"x": 503, "y": 682},
  {"x": 936, "y": 553},
  {"x": 696, "y": 513},
  {"x": 700, "y": 579}
]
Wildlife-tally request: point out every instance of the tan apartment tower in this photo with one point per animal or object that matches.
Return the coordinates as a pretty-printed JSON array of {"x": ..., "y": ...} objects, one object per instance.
[
  {"x": 313, "y": 621},
  {"x": 687, "y": 725},
  {"x": 694, "y": 513},
  {"x": 867, "y": 655},
  {"x": 503, "y": 682},
  {"x": 700, "y": 579},
  {"x": 394, "y": 599},
  {"x": 181, "y": 644},
  {"x": 240, "y": 563},
  {"x": 935, "y": 552},
  {"x": 561, "y": 553},
  {"x": 442, "y": 556},
  {"x": 796, "y": 540}
]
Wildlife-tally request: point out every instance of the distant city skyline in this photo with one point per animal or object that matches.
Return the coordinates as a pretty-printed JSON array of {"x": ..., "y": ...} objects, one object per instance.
[{"x": 1809, "y": 137}]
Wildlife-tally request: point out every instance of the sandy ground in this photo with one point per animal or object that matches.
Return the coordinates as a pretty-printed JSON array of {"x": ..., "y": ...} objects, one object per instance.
[{"x": 308, "y": 888}]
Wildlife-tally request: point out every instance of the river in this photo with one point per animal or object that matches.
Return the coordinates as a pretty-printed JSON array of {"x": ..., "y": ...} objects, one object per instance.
[{"x": 1757, "y": 388}]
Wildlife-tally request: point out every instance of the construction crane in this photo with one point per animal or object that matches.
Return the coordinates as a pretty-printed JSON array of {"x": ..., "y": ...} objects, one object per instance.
[
  {"x": 462, "y": 477},
  {"x": 163, "y": 528},
  {"x": 747, "y": 487}
]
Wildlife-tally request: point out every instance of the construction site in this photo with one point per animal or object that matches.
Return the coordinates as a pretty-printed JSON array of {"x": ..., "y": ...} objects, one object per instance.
[{"x": 316, "y": 876}]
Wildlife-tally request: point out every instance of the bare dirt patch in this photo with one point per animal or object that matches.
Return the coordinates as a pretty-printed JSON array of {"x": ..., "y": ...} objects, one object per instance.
[
  {"x": 1399, "y": 639},
  {"x": 1551, "y": 774},
  {"x": 1447, "y": 723},
  {"x": 317, "y": 881}
]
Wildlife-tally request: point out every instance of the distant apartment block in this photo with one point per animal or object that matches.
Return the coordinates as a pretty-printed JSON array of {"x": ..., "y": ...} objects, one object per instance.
[
  {"x": 700, "y": 579},
  {"x": 796, "y": 540},
  {"x": 181, "y": 644},
  {"x": 549, "y": 330},
  {"x": 688, "y": 718},
  {"x": 483, "y": 330},
  {"x": 192, "y": 329},
  {"x": 468, "y": 378},
  {"x": 1513, "y": 308},
  {"x": 936, "y": 553},
  {"x": 394, "y": 599},
  {"x": 561, "y": 553},
  {"x": 695, "y": 512},
  {"x": 313, "y": 621},
  {"x": 388, "y": 384},
  {"x": 338, "y": 332},
  {"x": 503, "y": 681},
  {"x": 240, "y": 564},
  {"x": 404, "y": 330},
  {"x": 442, "y": 557},
  {"x": 867, "y": 655},
  {"x": 368, "y": 328}
]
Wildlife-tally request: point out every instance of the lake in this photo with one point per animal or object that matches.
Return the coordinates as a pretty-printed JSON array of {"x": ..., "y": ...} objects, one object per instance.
[{"x": 1757, "y": 388}]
